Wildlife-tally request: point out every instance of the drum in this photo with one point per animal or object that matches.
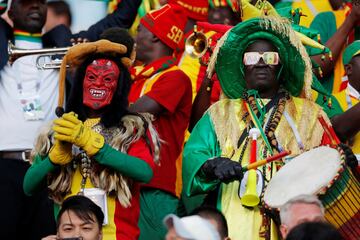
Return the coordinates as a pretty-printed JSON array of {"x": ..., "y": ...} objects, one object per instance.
[{"x": 320, "y": 171}]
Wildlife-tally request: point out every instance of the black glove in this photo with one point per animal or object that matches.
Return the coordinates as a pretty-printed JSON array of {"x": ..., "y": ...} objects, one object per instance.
[
  {"x": 350, "y": 159},
  {"x": 223, "y": 169}
]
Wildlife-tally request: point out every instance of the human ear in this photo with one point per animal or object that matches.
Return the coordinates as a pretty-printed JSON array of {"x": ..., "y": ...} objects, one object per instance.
[
  {"x": 283, "y": 230},
  {"x": 348, "y": 69}
]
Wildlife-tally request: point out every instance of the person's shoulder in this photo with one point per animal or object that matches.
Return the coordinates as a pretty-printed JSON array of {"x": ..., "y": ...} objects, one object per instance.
[
  {"x": 226, "y": 104},
  {"x": 176, "y": 74}
]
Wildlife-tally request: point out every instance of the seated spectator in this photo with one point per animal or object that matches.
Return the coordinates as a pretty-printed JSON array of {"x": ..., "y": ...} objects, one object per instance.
[
  {"x": 80, "y": 218},
  {"x": 216, "y": 218},
  {"x": 314, "y": 231},
  {"x": 191, "y": 227},
  {"x": 303, "y": 208}
]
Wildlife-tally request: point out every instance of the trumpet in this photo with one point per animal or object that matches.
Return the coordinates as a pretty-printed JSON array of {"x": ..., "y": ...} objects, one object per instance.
[
  {"x": 43, "y": 61},
  {"x": 197, "y": 44}
]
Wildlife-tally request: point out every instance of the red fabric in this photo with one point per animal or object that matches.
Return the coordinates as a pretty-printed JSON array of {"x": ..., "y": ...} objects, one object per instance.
[
  {"x": 219, "y": 28},
  {"x": 153, "y": 68},
  {"x": 197, "y": 10},
  {"x": 167, "y": 23},
  {"x": 173, "y": 91},
  {"x": 126, "y": 219}
]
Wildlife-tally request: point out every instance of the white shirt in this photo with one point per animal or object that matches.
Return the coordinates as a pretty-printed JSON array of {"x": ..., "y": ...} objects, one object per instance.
[
  {"x": 353, "y": 92},
  {"x": 15, "y": 132}
]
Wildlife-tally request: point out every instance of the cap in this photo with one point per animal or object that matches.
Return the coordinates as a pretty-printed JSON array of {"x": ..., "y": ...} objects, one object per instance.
[
  {"x": 167, "y": 23},
  {"x": 351, "y": 51},
  {"x": 192, "y": 227}
]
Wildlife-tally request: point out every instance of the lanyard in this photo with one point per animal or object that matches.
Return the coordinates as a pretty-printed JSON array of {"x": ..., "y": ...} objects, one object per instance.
[{"x": 20, "y": 78}]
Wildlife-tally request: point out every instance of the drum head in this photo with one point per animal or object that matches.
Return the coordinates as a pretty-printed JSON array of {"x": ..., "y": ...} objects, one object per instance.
[{"x": 307, "y": 173}]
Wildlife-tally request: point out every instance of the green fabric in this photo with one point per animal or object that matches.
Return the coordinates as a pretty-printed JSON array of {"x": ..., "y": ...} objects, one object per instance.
[
  {"x": 132, "y": 167},
  {"x": 37, "y": 173},
  {"x": 230, "y": 68},
  {"x": 287, "y": 11},
  {"x": 323, "y": 99},
  {"x": 201, "y": 146},
  {"x": 154, "y": 206},
  {"x": 282, "y": 4},
  {"x": 330, "y": 110},
  {"x": 127, "y": 165},
  {"x": 350, "y": 51},
  {"x": 325, "y": 24}
]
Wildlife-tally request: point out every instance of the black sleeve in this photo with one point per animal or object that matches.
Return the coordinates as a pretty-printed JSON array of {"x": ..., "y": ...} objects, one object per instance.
[
  {"x": 5, "y": 36},
  {"x": 123, "y": 17},
  {"x": 59, "y": 37}
]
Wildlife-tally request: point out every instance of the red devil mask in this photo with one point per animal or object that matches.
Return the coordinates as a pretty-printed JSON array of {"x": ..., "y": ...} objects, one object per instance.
[{"x": 100, "y": 82}]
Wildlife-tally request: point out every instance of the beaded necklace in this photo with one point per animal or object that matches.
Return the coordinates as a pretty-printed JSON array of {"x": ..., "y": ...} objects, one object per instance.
[
  {"x": 83, "y": 159},
  {"x": 271, "y": 125}
]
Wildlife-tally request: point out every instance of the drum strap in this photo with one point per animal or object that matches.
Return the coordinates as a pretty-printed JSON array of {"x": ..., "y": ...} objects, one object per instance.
[{"x": 267, "y": 107}]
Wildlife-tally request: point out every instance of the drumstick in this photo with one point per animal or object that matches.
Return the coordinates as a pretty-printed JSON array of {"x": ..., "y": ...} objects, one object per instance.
[
  {"x": 266, "y": 160},
  {"x": 329, "y": 130}
]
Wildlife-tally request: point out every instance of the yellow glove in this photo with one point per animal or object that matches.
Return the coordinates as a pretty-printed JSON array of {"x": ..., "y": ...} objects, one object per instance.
[
  {"x": 70, "y": 129},
  {"x": 60, "y": 153}
]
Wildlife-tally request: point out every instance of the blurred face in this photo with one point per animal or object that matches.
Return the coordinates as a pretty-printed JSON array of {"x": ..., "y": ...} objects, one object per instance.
[
  {"x": 336, "y": 4},
  {"x": 144, "y": 44},
  {"x": 300, "y": 213},
  {"x": 261, "y": 75},
  {"x": 53, "y": 20},
  {"x": 28, "y": 15},
  {"x": 72, "y": 226},
  {"x": 222, "y": 15},
  {"x": 100, "y": 83}
]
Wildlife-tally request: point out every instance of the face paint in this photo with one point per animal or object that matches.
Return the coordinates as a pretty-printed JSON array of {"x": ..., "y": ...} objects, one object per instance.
[{"x": 100, "y": 82}]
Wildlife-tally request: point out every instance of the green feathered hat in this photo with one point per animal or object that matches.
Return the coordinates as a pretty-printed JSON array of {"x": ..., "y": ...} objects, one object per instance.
[{"x": 227, "y": 58}]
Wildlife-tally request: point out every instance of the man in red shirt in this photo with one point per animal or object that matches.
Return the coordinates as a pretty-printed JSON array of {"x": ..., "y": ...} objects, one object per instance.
[{"x": 162, "y": 89}]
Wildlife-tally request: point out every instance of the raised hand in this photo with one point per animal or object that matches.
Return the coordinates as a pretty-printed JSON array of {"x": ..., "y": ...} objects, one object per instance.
[{"x": 70, "y": 129}]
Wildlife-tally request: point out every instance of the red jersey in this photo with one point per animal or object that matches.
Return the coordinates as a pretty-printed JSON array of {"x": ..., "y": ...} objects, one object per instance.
[{"x": 170, "y": 88}]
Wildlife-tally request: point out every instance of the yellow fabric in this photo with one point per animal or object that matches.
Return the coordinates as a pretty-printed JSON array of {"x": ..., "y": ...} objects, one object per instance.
[
  {"x": 69, "y": 128},
  {"x": 60, "y": 153},
  {"x": 151, "y": 81},
  {"x": 191, "y": 67},
  {"x": 304, "y": 114},
  {"x": 319, "y": 6},
  {"x": 339, "y": 70},
  {"x": 341, "y": 97},
  {"x": 109, "y": 231}
]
